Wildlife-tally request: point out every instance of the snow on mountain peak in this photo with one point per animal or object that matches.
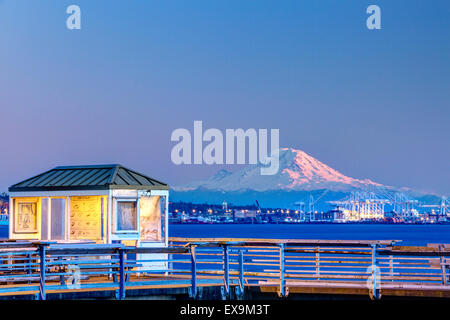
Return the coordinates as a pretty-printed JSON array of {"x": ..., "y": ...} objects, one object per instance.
[
  {"x": 297, "y": 171},
  {"x": 305, "y": 169}
]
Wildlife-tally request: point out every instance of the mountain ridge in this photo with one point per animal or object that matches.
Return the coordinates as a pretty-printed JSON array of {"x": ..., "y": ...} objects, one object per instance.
[
  {"x": 299, "y": 178},
  {"x": 298, "y": 171}
]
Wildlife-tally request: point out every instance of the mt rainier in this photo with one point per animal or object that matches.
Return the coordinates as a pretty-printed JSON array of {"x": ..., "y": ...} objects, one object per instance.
[{"x": 298, "y": 171}]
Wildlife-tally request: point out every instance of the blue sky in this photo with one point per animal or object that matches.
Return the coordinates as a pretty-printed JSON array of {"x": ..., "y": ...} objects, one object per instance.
[{"x": 371, "y": 104}]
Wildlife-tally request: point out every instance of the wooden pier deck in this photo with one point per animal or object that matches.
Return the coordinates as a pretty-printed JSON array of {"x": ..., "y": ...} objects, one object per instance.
[{"x": 279, "y": 268}]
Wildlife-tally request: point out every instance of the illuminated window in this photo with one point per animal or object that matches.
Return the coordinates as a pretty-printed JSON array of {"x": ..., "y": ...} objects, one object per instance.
[
  {"x": 25, "y": 219},
  {"x": 86, "y": 216},
  {"x": 126, "y": 216},
  {"x": 153, "y": 210}
]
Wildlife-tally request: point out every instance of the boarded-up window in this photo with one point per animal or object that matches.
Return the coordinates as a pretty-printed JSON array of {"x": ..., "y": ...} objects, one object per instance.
[
  {"x": 126, "y": 216},
  {"x": 152, "y": 218},
  {"x": 85, "y": 218},
  {"x": 25, "y": 218},
  {"x": 162, "y": 206}
]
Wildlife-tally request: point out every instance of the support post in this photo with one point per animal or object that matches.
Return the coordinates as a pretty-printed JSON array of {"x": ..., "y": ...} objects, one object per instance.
[
  {"x": 29, "y": 265},
  {"x": 226, "y": 269},
  {"x": 241, "y": 272},
  {"x": 318, "y": 263},
  {"x": 375, "y": 274},
  {"x": 60, "y": 269},
  {"x": 121, "y": 293},
  {"x": 443, "y": 267},
  {"x": 42, "y": 249},
  {"x": 283, "y": 292},
  {"x": 169, "y": 263},
  {"x": 391, "y": 268},
  {"x": 193, "y": 288}
]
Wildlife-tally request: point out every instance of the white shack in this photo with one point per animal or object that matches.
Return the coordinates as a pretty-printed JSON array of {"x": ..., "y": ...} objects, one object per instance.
[{"x": 100, "y": 203}]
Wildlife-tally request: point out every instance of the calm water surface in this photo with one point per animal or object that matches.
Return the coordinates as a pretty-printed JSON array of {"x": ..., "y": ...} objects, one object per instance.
[{"x": 410, "y": 234}]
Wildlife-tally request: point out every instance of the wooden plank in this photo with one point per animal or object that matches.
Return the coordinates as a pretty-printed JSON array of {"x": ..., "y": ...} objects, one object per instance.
[
  {"x": 328, "y": 252},
  {"x": 19, "y": 293},
  {"x": 156, "y": 250},
  {"x": 252, "y": 241},
  {"x": 359, "y": 289},
  {"x": 414, "y": 249}
]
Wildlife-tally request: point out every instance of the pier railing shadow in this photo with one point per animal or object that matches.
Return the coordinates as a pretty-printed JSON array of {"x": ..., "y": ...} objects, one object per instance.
[{"x": 282, "y": 267}]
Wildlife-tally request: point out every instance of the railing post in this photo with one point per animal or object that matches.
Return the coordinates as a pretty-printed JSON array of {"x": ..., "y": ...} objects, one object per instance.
[
  {"x": 443, "y": 268},
  {"x": 375, "y": 273},
  {"x": 60, "y": 268},
  {"x": 282, "y": 292},
  {"x": 226, "y": 271},
  {"x": 121, "y": 293},
  {"x": 193, "y": 288},
  {"x": 28, "y": 264},
  {"x": 42, "y": 295},
  {"x": 169, "y": 263},
  {"x": 318, "y": 263},
  {"x": 391, "y": 268},
  {"x": 241, "y": 272}
]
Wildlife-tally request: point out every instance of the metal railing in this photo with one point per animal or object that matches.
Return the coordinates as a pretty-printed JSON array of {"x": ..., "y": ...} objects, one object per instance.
[
  {"x": 349, "y": 265},
  {"x": 41, "y": 268}
]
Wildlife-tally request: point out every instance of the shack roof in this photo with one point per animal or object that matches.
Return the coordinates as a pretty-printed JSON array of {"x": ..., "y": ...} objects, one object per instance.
[{"x": 92, "y": 177}]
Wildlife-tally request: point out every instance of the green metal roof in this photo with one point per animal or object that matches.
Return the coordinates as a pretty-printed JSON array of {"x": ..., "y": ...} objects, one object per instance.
[{"x": 93, "y": 177}]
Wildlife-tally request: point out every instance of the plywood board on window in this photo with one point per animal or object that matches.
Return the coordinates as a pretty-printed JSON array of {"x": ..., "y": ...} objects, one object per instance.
[
  {"x": 150, "y": 218},
  {"x": 85, "y": 218},
  {"x": 26, "y": 217}
]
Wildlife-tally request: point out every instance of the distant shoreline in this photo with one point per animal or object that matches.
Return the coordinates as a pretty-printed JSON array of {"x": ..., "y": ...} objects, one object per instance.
[{"x": 310, "y": 223}]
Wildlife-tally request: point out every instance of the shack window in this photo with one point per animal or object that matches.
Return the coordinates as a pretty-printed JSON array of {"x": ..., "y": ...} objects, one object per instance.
[
  {"x": 126, "y": 216},
  {"x": 151, "y": 218},
  {"x": 44, "y": 219},
  {"x": 57, "y": 208},
  {"x": 86, "y": 218},
  {"x": 26, "y": 218},
  {"x": 163, "y": 212}
]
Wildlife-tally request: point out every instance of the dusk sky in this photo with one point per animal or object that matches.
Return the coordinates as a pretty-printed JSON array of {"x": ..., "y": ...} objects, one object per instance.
[{"x": 370, "y": 103}]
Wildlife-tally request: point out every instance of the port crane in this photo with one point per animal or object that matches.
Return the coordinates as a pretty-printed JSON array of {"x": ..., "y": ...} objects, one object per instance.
[
  {"x": 300, "y": 205},
  {"x": 312, "y": 202},
  {"x": 443, "y": 207},
  {"x": 306, "y": 216},
  {"x": 362, "y": 206},
  {"x": 258, "y": 207},
  {"x": 404, "y": 205}
]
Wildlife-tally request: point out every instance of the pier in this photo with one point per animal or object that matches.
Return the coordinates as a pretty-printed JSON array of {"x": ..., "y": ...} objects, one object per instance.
[{"x": 224, "y": 268}]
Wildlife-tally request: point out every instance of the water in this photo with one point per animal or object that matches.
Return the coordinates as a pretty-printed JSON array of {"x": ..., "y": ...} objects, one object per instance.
[
  {"x": 410, "y": 234},
  {"x": 3, "y": 231}
]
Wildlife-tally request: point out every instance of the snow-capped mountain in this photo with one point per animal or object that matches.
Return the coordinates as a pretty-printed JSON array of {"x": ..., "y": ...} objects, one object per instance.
[{"x": 298, "y": 171}]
